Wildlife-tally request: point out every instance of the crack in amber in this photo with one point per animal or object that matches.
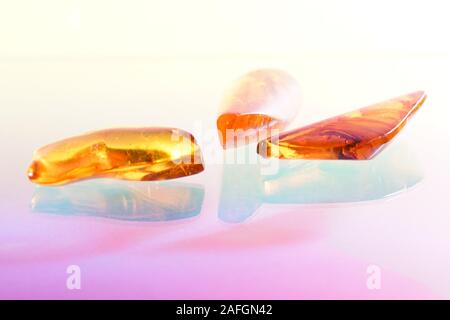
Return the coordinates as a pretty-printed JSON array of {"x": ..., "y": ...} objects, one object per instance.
[
  {"x": 128, "y": 154},
  {"x": 356, "y": 135}
]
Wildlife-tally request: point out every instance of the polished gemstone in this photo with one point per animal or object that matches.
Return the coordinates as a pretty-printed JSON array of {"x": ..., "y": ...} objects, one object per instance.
[
  {"x": 257, "y": 103},
  {"x": 356, "y": 135},
  {"x": 128, "y": 154}
]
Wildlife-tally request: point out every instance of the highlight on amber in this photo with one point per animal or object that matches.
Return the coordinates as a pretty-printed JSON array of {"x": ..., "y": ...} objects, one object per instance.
[
  {"x": 130, "y": 154},
  {"x": 356, "y": 135},
  {"x": 256, "y": 103}
]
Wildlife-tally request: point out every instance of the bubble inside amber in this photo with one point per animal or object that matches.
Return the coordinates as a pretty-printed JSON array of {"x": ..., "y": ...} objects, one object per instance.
[{"x": 128, "y": 154}]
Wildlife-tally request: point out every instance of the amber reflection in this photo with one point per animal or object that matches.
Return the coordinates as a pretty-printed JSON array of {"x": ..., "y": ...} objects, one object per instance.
[
  {"x": 147, "y": 201},
  {"x": 317, "y": 182}
]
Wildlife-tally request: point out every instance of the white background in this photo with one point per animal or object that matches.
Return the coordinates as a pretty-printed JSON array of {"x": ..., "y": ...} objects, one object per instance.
[{"x": 219, "y": 28}]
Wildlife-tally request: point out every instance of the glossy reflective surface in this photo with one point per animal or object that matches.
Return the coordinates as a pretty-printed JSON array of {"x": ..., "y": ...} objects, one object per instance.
[
  {"x": 136, "y": 201},
  {"x": 317, "y": 182}
]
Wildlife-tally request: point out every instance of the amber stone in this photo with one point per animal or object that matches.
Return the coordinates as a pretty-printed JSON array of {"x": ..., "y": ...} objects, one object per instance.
[
  {"x": 128, "y": 154},
  {"x": 255, "y": 104},
  {"x": 356, "y": 135}
]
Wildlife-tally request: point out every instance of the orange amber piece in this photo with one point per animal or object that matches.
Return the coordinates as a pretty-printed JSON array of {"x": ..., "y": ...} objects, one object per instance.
[
  {"x": 256, "y": 103},
  {"x": 356, "y": 135},
  {"x": 128, "y": 154}
]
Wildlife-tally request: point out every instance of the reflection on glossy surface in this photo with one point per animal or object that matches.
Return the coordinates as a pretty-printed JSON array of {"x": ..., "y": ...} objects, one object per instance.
[
  {"x": 315, "y": 182},
  {"x": 390, "y": 173},
  {"x": 241, "y": 192},
  {"x": 153, "y": 201}
]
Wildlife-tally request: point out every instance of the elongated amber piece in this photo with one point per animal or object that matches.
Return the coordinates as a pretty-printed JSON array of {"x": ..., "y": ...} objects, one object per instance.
[
  {"x": 356, "y": 135},
  {"x": 256, "y": 103},
  {"x": 128, "y": 154}
]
